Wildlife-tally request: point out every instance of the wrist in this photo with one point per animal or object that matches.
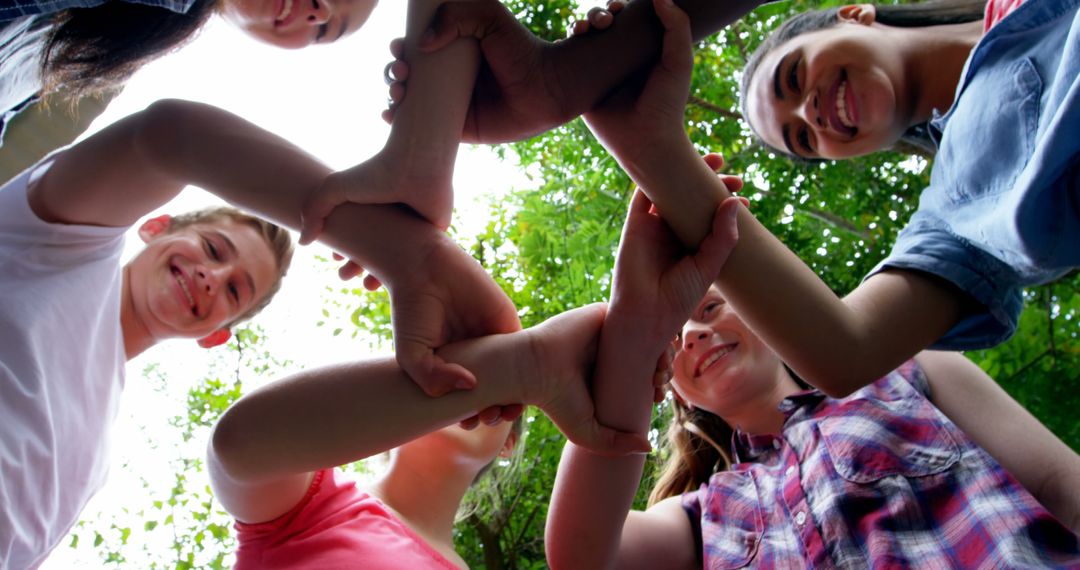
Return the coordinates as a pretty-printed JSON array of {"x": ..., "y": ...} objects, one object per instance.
[{"x": 637, "y": 331}]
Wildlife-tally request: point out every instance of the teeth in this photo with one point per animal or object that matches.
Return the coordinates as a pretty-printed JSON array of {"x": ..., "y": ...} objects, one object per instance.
[
  {"x": 286, "y": 9},
  {"x": 713, "y": 358},
  {"x": 841, "y": 105},
  {"x": 184, "y": 288}
]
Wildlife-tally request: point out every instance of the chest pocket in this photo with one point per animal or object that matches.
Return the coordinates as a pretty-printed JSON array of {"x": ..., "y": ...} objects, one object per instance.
[
  {"x": 990, "y": 132},
  {"x": 870, "y": 440},
  {"x": 731, "y": 522}
]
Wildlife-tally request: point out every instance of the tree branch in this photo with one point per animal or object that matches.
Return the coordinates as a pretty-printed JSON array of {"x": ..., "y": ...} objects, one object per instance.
[{"x": 712, "y": 107}]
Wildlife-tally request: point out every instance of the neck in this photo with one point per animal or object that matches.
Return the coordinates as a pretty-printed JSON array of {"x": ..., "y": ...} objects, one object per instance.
[
  {"x": 137, "y": 337},
  {"x": 427, "y": 503},
  {"x": 761, "y": 415},
  {"x": 938, "y": 57}
]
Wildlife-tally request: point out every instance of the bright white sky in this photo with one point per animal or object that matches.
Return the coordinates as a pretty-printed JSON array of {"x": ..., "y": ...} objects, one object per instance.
[{"x": 327, "y": 100}]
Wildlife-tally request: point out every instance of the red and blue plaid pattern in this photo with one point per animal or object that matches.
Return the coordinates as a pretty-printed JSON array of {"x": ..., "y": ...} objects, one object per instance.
[{"x": 879, "y": 479}]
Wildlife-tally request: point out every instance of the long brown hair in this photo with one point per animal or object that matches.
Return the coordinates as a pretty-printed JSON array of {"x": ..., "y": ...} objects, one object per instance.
[
  {"x": 695, "y": 448},
  {"x": 92, "y": 49},
  {"x": 936, "y": 13}
]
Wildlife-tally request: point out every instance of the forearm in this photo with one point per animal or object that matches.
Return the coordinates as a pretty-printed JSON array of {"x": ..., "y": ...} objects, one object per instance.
[
  {"x": 589, "y": 66},
  {"x": 1041, "y": 462},
  {"x": 265, "y": 174},
  {"x": 338, "y": 414},
  {"x": 836, "y": 345},
  {"x": 427, "y": 126},
  {"x": 593, "y": 494}
]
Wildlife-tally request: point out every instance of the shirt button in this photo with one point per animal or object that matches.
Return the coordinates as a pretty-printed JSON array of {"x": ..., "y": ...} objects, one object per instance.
[
  {"x": 776, "y": 444},
  {"x": 800, "y": 518},
  {"x": 790, "y": 470}
]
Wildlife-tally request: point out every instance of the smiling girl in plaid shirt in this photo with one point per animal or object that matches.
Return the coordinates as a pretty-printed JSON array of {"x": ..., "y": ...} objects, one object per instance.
[{"x": 930, "y": 466}]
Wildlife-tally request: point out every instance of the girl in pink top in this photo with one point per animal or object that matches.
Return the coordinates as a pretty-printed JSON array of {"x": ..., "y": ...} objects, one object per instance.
[{"x": 272, "y": 454}]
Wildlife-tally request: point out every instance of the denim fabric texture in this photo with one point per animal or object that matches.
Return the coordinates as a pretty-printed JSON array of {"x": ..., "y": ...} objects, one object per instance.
[{"x": 1003, "y": 207}]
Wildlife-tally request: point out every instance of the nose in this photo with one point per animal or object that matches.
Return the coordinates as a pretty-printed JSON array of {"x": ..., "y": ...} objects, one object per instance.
[
  {"x": 209, "y": 280},
  {"x": 694, "y": 337},
  {"x": 317, "y": 12},
  {"x": 811, "y": 110}
]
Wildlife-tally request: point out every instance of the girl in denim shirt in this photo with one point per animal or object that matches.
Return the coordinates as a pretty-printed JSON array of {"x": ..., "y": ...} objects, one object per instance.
[{"x": 1002, "y": 210}]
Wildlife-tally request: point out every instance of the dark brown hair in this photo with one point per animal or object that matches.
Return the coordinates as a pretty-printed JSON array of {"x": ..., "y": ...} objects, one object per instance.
[
  {"x": 937, "y": 13},
  {"x": 89, "y": 50}
]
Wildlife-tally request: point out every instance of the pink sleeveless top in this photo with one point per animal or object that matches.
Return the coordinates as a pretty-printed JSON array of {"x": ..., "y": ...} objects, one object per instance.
[{"x": 335, "y": 527}]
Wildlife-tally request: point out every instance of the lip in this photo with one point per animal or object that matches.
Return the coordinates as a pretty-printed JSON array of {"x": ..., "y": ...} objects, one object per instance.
[
  {"x": 184, "y": 291},
  {"x": 729, "y": 347},
  {"x": 285, "y": 11},
  {"x": 849, "y": 99}
]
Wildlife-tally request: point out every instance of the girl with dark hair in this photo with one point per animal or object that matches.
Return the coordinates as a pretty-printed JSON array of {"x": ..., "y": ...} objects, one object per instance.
[
  {"x": 927, "y": 466},
  {"x": 1001, "y": 212},
  {"x": 86, "y": 46}
]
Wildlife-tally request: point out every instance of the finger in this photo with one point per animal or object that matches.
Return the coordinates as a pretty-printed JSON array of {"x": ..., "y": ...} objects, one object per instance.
[
  {"x": 615, "y": 6},
  {"x": 349, "y": 270},
  {"x": 396, "y": 92},
  {"x": 397, "y": 48},
  {"x": 608, "y": 442},
  {"x": 640, "y": 202},
  {"x": 459, "y": 19},
  {"x": 435, "y": 376},
  {"x": 714, "y": 160},
  {"x": 677, "y": 52},
  {"x": 732, "y": 183},
  {"x": 599, "y": 18},
  {"x": 716, "y": 247},
  {"x": 372, "y": 283},
  {"x": 399, "y": 70},
  {"x": 490, "y": 416},
  {"x": 337, "y": 256},
  {"x": 658, "y": 395},
  {"x": 512, "y": 412},
  {"x": 578, "y": 27},
  {"x": 311, "y": 220},
  {"x": 469, "y": 423}
]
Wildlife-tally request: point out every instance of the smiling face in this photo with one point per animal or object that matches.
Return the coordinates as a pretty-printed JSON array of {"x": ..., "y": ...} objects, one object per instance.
[
  {"x": 197, "y": 279},
  {"x": 721, "y": 365},
  {"x": 833, "y": 93},
  {"x": 294, "y": 24}
]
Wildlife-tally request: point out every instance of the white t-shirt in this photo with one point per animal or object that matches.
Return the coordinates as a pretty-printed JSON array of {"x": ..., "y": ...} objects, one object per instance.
[{"x": 61, "y": 370}]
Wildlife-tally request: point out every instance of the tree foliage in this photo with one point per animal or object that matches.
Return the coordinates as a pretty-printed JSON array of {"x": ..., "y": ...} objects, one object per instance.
[{"x": 551, "y": 246}]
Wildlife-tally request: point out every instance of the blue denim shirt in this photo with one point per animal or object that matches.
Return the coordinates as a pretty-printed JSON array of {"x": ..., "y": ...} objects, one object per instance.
[
  {"x": 11, "y": 9},
  {"x": 1003, "y": 207}
]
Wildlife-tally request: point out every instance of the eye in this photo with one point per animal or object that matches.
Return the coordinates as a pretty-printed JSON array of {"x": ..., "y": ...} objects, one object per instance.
[
  {"x": 709, "y": 307},
  {"x": 212, "y": 250},
  {"x": 793, "y": 75},
  {"x": 804, "y": 139},
  {"x": 234, "y": 291}
]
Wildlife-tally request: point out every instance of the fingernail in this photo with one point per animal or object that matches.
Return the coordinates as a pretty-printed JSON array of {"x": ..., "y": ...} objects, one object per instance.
[{"x": 463, "y": 384}]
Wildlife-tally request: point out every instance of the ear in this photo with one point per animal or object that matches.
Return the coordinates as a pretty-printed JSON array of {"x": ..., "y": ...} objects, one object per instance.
[
  {"x": 154, "y": 227},
  {"x": 509, "y": 445},
  {"x": 216, "y": 338},
  {"x": 864, "y": 14}
]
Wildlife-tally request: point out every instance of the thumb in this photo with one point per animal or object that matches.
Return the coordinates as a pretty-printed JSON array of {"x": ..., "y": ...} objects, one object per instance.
[
  {"x": 435, "y": 376},
  {"x": 454, "y": 20},
  {"x": 717, "y": 246},
  {"x": 609, "y": 442}
]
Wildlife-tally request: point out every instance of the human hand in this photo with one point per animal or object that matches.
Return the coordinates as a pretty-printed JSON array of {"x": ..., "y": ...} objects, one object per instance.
[
  {"x": 444, "y": 296},
  {"x": 515, "y": 96},
  {"x": 636, "y": 119},
  {"x": 656, "y": 282},
  {"x": 386, "y": 178},
  {"x": 563, "y": 357},
  {"x": 597, "y": 19}
]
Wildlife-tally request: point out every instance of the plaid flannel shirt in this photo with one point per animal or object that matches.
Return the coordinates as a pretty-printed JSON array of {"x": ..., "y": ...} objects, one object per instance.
[{"x": 879, "y": 479}]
